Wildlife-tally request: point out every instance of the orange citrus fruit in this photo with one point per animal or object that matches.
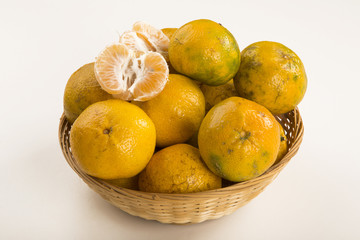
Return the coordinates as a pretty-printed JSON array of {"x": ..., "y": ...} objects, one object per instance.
[
  {"x": 130, "y": 183},
  {"x": 177, "y": 111},
  {"x": 144, "y": 38},
  {"x": 215, "y": 94},
  {"x": 283, "y": 145},
  {"x": 169, "y": 32},
  {"x": 239, "y": 139},
  {"x": 205, "y": 51},
  {"x": 82, "y": 90},
  {"x": 113, "y": 139},
  {"x": 158, "y": 41},
  {"x": 136, "y": 42},
  {"x": 177, "y": 169},
  {"x": 193, "y": 141},
  {"x": 128, "y": 75},
  {"x": 272, "y": 75}
]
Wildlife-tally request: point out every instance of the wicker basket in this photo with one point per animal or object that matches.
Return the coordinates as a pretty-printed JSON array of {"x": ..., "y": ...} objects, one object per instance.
[{"x": 191, "y": 207}]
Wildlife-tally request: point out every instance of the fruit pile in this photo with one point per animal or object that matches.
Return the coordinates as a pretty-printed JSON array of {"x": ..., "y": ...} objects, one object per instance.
[{"x": 180, "y": 110}]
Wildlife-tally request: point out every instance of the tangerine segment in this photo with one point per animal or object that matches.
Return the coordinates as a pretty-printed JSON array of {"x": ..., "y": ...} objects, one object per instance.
[
  {"x": 130, "y": 75},
  {"x": 155, "y": 76},
  {"x": 109, "y": 66},
  {"x": 136, "y": 41},
  {"x": 158, "y": 40}
]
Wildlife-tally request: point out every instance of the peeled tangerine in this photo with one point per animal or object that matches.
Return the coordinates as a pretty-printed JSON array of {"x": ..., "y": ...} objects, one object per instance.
[
  {"x": 158, "y": 41},
  {"x": 136, "y": 67}
]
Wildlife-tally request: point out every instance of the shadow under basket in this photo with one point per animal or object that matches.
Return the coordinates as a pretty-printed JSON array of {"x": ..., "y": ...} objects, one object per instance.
[{"x": 190, "y": 207}]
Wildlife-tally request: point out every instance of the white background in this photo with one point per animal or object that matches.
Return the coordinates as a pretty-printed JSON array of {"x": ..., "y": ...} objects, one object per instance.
[{"x": 41, "y": 43}]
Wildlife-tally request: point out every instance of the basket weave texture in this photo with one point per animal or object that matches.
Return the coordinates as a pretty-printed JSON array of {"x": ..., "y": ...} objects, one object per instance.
[{"x": 191, "y": 207}]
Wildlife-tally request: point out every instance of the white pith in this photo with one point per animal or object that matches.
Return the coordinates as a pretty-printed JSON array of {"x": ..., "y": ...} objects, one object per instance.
[
  {"x": 127, "y": 71},
  {"x": 143, "y": 96},
  {"x": 156, "y": 37},
  {"x": 131, "y": 39},
  {"x": 122, "y": 65}
]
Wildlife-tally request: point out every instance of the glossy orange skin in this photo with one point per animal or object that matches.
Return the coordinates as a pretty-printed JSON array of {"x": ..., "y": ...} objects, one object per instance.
[
  {"x": 239, "y": 139},
  {"x": 113, "y": 139},
  {"x": 177, "y": 111},
  {"x": 169, "y": 32},
  {"x": 177, "y": 169},
  {"x": 272, "y": 75},
  {"x": 129, "y": 183},
  {"x": 215, "y": 94},
  {"x": 205, "y": 51},
  {"x": 283, "y": 145}
]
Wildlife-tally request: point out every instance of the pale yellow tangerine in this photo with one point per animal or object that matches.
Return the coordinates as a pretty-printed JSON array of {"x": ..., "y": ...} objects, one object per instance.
[{"x": 82, "y": 90}]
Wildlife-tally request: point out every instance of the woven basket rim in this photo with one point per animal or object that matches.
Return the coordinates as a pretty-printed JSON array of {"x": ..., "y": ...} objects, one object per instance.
[{"x": 273, "y": 170}]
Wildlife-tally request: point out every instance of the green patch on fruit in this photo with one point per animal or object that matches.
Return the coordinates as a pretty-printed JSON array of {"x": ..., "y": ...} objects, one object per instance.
[
  {"x": 215, "y": 161},
  {"x": 255, "y": 166},
  {"x": 243, "y": 135}
]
